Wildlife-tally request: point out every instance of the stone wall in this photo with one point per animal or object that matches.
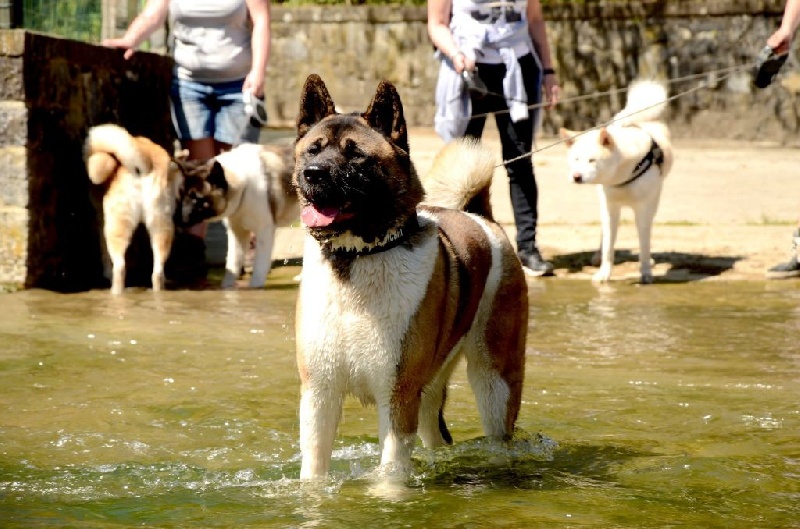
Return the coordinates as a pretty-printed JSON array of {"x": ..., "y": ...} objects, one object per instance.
[
  {"x": 599, "y": 47},
  {"x": 51, "y": 91}
]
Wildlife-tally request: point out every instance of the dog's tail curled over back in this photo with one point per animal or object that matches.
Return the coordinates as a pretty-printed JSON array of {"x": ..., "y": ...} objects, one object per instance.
[
  {"x": 647, "y": 100},
  {"x": 461, "y": 177},
  {"x": 109, "y": 146}
]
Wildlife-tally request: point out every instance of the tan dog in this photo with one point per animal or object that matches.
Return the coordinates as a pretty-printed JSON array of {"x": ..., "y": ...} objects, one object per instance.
[
  {"x": 393, "y": 292},
  {"x": 250, "y": 189},
  {"x": 140, "y": 183},
  {"x": 628, "y": 160}
]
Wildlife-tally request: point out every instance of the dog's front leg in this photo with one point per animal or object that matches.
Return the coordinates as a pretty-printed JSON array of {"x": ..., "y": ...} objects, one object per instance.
[
  {"x": 397, "y": 430},
  {"x": 609, "y": 218},
  {"x": 237, "y": 239},
  {"x": 265, "y": 239},
  {"x": 320, "y": 409}
]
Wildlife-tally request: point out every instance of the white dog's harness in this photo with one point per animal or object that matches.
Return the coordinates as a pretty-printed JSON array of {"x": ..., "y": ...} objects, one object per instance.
[{"x": 655, "y": 156}]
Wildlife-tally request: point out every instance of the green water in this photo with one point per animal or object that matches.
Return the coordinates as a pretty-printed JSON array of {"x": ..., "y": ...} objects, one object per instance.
[{"x": 668, "y": 405}]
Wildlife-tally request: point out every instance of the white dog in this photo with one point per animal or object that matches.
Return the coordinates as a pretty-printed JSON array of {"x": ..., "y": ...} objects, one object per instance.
[{"x": 628, "y": 160}]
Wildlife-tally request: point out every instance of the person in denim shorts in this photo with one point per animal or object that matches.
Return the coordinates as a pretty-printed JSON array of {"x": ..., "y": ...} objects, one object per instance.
[{"x": 221, "y": 49}]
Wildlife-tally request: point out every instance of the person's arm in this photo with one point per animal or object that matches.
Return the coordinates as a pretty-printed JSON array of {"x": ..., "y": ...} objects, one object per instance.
[
  {"x": 538, "y": 31},
  {"x": 781, "y": 40},
  {"x": 441, "y": 36},
  {"x": 151, "y": 18},
  {"x": 261, "y": 43}
]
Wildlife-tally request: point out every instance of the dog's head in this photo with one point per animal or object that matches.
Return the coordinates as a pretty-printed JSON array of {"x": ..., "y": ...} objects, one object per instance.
[
  {"x": 203, "y": 194},
  {"x": 353, "y": 172},
  {"x": 592, "y": 156}
]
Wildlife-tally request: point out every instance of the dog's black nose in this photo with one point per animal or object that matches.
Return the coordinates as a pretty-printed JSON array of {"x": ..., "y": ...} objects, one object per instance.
[
  {"x": 577, "y": 178},
  {"x": 314, "y": 173}
]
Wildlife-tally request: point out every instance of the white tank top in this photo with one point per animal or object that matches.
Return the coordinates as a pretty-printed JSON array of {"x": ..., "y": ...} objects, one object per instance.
[
  {"x": 212, "y": 39},
  {"x": 496, "y": 17}
]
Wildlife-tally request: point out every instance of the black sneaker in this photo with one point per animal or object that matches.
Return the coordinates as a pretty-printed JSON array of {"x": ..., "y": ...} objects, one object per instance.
[
  {"x": 787, "y": 270},
  {"x": 534, "y": 265},
  {"x": 790, "y": 268}
]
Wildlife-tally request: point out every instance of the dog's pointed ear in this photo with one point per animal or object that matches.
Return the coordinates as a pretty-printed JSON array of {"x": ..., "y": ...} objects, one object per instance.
[
  {"x": 605, "y": 138},
  {"x": 315, "y": 104},
  {"x": 216, "y": 176},
  {"x": 568, "y": 136},
  {"x": 385, "y": 114}
]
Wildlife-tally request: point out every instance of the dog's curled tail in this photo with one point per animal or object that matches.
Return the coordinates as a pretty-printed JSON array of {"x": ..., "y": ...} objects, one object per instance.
[
  {"x": 647, "y": 100},
  {"x": 461, "y": 177},
  {"x": 107, "y": 147}
]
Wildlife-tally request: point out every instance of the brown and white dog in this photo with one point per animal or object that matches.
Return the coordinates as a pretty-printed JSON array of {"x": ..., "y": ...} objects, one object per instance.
[
  {"x": 140, "y": 183},
  {"x": 250, "y": 189},
  {"x": 393, "y": 292}
]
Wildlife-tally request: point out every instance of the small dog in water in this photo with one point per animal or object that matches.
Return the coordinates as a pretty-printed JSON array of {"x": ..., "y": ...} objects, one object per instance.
[
  {"x": 393, "y": 291},
  {"x": 628, "y": 160},
  {"x": 250, "y": 188},
  {"x": 140, "y": 183}
]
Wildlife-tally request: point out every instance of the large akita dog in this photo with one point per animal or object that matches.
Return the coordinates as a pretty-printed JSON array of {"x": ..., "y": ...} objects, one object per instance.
[
  {"x": 394, "y": 292},
  {"x": 628, "y": 160},
  {"x": 140, "y": 185},
  {"x": 250, "y": 189}
]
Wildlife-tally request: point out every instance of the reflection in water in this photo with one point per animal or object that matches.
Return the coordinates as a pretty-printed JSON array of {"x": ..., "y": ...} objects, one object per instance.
[{"x": 675, "y": 403}]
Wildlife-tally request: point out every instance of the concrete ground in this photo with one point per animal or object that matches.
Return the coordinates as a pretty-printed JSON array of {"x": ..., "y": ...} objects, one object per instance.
[{"x": 728, "y": 210}]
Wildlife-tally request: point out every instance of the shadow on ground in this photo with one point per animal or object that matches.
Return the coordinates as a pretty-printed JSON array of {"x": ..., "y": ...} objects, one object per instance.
[{"x": 675, "y": 267}]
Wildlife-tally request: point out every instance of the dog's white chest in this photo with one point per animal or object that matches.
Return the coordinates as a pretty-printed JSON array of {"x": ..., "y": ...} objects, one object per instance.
[{"x": 352, "y": 330}]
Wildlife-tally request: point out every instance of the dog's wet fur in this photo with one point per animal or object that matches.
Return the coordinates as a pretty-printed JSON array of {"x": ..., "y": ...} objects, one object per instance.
[{"x": 398, "y": 284}]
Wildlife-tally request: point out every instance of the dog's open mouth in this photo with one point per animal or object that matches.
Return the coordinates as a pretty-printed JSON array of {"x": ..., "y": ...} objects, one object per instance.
[{"x": 315, "y": 216}]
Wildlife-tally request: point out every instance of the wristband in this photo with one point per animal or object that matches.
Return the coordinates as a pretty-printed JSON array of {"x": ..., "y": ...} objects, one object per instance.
[{"x": 548, "y": 71}]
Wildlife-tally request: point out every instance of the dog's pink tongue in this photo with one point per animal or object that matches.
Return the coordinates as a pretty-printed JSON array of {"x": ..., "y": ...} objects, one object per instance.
[{"x": 318, "y": 218}]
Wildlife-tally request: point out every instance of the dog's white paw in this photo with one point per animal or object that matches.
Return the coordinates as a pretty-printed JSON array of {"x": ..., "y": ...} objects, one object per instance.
[
  {"x": 158, "y": 281},
  {"x": 602, "y": 275}
]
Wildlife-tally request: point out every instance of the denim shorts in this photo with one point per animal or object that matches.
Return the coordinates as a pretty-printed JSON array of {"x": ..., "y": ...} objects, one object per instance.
[{"x": 211, "y": 110}]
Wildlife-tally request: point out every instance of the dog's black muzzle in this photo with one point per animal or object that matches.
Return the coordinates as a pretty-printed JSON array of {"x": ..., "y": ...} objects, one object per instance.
[
  {"x": 316, "y": 173},
  {"x": 319, "y": 183}
]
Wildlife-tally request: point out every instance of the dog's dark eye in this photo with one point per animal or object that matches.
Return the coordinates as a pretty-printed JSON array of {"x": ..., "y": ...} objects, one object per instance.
[
  {"x": 351, "y": 149},
  {"x": 314, "y": 148}
]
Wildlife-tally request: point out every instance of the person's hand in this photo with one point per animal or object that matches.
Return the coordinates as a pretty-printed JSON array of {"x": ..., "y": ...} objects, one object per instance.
[
  {"x": 780, "y": 41},
  {"x": 254, "y": 83},
  {"x": 552, "y": 92},
  {"x": 461, "y": 62},
  {"x": 122, "y": 44}
]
